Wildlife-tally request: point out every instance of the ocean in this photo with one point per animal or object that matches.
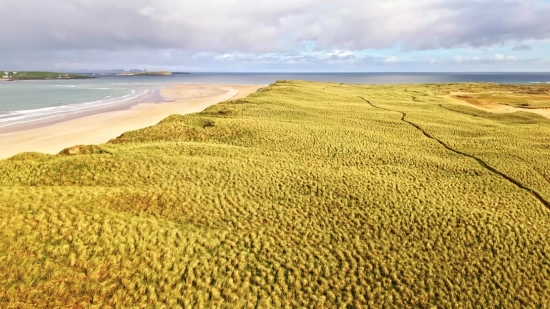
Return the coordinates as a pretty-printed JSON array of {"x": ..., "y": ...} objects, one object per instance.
[{"x": 24, "y": 102}]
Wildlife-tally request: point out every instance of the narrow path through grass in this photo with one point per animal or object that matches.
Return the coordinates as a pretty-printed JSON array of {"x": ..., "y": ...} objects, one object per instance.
[{"x": 534, "y": 193}]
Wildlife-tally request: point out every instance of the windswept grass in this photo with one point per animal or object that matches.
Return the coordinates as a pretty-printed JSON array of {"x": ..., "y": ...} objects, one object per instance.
[{"x": 312, "y": 195}]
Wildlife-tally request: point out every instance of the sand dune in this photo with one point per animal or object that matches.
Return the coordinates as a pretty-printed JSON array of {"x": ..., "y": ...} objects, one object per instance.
[
  {"x": 499, "y": 108},
  {"x": 100, "y": 128}
]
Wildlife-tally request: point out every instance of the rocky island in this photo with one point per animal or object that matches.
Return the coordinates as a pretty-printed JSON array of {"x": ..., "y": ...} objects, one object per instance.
[{"x": 159, "y": 73}]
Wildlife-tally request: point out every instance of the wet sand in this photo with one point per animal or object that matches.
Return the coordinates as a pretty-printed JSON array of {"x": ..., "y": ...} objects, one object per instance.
[{"x": 100, "y": 128}]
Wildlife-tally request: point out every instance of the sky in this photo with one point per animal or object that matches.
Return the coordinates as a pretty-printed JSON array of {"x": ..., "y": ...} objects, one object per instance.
[{"x": 276, "y": 35}]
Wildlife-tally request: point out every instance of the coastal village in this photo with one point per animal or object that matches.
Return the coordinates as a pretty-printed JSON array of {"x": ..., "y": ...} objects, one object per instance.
[{"x": 6, "y": 75}]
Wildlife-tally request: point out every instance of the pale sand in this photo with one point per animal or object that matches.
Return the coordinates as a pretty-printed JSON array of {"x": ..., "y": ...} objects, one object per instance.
[
  {"x": 502, "y": 109},
  {"x": 100, "y": 128}
]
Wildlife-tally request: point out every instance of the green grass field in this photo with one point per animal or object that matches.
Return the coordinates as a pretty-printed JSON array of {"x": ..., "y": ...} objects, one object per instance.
[{"x": 303, "y": 195}]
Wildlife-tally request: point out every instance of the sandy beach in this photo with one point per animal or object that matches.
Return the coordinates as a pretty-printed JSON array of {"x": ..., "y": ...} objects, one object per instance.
[{"x": 100, "y": 128}]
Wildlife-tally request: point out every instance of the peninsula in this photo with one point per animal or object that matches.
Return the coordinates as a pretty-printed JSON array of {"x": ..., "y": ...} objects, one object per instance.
[{"x": 17, "y": 75}]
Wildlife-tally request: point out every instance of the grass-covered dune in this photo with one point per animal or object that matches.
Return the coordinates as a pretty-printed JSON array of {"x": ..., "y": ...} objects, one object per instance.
[{"x": 311, "y": 195}]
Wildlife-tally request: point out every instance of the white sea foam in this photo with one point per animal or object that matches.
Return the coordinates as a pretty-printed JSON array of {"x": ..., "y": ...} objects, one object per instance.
[
  {"x": 26, "y": 121},
  {"x": 83, "y": 87},
  {"x": 10, "y": 118}
]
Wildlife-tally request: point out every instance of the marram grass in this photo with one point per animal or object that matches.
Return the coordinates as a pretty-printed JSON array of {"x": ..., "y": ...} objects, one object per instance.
[{"x": 303, "y": 195}]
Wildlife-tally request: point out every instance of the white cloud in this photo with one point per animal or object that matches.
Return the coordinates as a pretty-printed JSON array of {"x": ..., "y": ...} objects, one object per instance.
[
  {"x": 340, "y": 53},
  {"x": 501, "y": 57},
  {"x": 487, "y": 59},
  {"x": 391, "y": 59}
]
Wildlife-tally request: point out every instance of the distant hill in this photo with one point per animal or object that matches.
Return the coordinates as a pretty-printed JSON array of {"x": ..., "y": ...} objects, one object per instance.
[{"x": 159, "y": 73}]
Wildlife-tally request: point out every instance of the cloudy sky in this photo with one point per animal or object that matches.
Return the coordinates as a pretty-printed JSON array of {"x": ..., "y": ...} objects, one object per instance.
[{"x": 276, "y": 35}]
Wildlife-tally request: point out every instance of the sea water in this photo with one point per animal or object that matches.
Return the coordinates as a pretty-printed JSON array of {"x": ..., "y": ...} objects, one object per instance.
[{"x": 29, "y": 101}]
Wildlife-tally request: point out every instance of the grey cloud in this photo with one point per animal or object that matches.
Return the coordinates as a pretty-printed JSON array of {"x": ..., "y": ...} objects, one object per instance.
[
  {"x": 521, "y": 47},
  {"x": 124, "y": 24},
  {"x": 253, "y": 26},
  {"x": 433, "y": 24},
  {"x": 144, "y": 29}
]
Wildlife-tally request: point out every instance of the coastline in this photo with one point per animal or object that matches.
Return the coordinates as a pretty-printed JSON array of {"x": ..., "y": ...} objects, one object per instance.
[
  {"x": 103, "y": 125},
  {"x": 154, "y": 96}
]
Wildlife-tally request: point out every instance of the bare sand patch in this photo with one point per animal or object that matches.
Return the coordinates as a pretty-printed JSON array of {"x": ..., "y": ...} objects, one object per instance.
[{"x": 491, "y": 107}]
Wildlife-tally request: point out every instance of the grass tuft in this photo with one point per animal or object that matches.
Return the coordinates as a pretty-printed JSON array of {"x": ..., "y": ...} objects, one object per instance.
[{"x": 83, "y": 150}]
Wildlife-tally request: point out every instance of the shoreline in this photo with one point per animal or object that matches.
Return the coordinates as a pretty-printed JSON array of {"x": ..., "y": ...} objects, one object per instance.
[
  {"x": 104, "y": 125},
  {"x": 154, "y": 97}
]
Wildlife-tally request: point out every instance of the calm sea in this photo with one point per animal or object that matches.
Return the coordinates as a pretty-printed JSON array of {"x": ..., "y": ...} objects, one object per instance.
[{"x": 28, "y": 101}]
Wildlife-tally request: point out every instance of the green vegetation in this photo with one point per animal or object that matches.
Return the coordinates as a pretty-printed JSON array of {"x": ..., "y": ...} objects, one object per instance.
[
  {"x": 311, "y": 195},
  {"x": 161, "y": 73},
  {"x": 41, "y": 75}
]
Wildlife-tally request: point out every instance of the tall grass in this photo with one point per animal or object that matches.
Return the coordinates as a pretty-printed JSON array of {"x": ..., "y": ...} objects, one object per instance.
[{"x": 301, "y": 195}]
